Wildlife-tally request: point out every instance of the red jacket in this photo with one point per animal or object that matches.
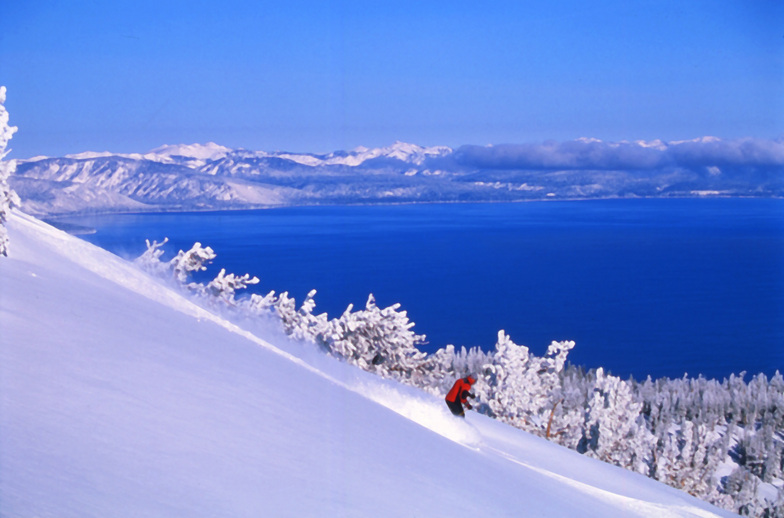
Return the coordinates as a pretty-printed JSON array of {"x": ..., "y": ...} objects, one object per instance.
[{"x": 461, "y": 390}]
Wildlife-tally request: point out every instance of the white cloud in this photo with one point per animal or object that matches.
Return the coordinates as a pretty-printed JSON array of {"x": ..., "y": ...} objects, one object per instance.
[{"x": 706, "y": 152}]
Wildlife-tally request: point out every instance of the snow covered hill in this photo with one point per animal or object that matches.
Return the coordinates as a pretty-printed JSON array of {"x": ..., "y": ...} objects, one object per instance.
[
  {"x": 122, "y": 398},
  {"x": 210, "y": 176}
]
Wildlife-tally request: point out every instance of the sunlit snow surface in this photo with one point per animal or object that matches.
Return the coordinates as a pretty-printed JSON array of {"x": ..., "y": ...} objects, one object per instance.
[{"x": 118, "y": 397}]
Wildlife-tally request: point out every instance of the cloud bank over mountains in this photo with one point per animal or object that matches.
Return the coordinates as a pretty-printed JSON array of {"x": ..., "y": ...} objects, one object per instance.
[
  {"x": 595, "y": 154},
  {"x": 214, "y": 177}
]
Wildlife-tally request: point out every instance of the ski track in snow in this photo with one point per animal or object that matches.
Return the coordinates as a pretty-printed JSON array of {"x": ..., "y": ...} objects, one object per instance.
[
  {"x": 426, "y": 413},
  {"x": 425, "y": 410},
  {"x": 633, "y": 506}
]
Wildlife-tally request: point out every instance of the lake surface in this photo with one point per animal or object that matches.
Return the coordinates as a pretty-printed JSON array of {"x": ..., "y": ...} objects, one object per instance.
[{"x": 657, "y": 287}]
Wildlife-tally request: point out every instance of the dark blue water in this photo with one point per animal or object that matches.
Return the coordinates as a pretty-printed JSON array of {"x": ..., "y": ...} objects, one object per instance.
[{"x": 645, "y": 287}]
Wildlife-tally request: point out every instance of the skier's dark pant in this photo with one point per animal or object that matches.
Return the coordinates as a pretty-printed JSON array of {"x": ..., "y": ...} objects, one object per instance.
[{"x": 456, "y": 408}]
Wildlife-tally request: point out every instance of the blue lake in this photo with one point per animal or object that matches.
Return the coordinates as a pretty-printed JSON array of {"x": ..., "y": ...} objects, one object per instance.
[{"x": 657, "y": 287}]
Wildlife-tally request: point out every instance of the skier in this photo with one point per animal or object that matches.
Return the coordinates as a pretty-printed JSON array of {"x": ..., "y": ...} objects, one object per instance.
[{"x": 458, "y": 394}]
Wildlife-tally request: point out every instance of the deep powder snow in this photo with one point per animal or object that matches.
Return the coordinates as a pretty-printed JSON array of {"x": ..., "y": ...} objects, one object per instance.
[{"x": 118, "y": 397}]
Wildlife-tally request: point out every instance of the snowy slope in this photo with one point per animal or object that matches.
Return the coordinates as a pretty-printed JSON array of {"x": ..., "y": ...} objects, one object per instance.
[{"x": 118, "y": 397}]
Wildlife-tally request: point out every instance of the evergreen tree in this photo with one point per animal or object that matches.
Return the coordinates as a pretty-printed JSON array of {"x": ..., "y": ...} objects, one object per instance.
[
  {"x": 613, "y": 432},
  {"x": 302, "y": 324},
  {"x": 742, "y": 486},
  {"x": 286, "y": 309},
  {"x": 568, "y": 425},
  {"x": 506, "y": 384},
  {"x": 185, "y": 263},
  {"x": 261, "y": 305},
  {"x": 521, "y": 388},
  {"x": 8, "y": 198},
  {"x": 223, "y": 287},
  {"x": 150, "y": 260},
  {"x": 377, "y": 340},
  {"x": 181, "y": 267}
]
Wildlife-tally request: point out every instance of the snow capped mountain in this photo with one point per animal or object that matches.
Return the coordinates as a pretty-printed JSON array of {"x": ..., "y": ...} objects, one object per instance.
[
  {"x": 194, "y": 177},
  {"x": 211, "y": 176},
  {"x": 193, "y": 155},
  {"x": 121, "y": 397},
  {"x": 89, "y": 155},
  {"x": 208, "y": 151},
  {"x": 408, "y": 153}
]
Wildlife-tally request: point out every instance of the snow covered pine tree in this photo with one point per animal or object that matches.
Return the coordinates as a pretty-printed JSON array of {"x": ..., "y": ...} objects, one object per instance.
[{"x": 8, "y": 197}]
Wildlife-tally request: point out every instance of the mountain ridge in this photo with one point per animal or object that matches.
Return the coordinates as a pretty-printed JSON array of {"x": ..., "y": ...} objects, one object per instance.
[{"x": 214, "y": 177}]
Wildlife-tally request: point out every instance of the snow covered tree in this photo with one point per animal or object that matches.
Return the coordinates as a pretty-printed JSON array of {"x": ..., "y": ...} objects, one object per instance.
[
  {"x": 506, "y": 383},
  {"x": 150, "y": 260},
  {"x": 301, "y": 323},
  {"x": 181, "y": 267},
  {"x": 702, "y": 426},
  {"x": 225, "y": 286},
  {"x": 286, "y": 309},
  {"x": 377, "y": 340},
  {"x": 568, "y": 413},
  {"x": 613, "y": 433},
  {"x": 399, "y": 356},
  {"x": 8, "y": 197},
  {"x": 185, "y": 263},
  {"x": 221, "y": 289},
  {"x": 687, "y": 456},
  {"x": 261, "y": 304},
  {"x": 742, "y": 486},
  {"x": 521, "y": 388}
]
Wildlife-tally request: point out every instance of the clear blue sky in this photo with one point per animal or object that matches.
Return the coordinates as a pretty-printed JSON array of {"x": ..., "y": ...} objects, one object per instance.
[{"x": 128, "y": 76}]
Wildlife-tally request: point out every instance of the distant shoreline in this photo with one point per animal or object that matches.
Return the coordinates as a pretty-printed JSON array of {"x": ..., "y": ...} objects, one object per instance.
[{"x": 54, "y": 219}]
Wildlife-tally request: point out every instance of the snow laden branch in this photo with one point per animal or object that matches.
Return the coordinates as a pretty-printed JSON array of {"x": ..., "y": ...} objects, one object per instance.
[
  {"x": 181, "y": 268},
  {"x": 225, "y": 286},
  {"x": 720, "y": 441},
  {"x": 8, "y": 197}
]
